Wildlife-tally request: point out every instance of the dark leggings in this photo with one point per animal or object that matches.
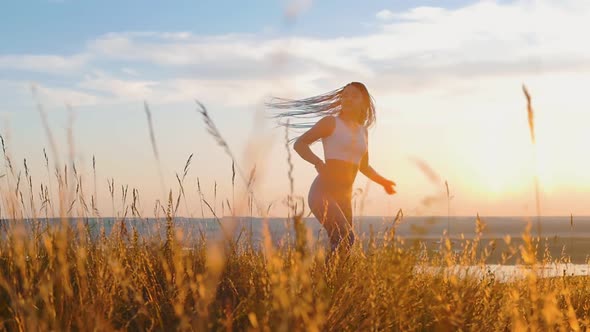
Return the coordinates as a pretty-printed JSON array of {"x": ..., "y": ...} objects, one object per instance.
[{"x": 332, "y": 208}]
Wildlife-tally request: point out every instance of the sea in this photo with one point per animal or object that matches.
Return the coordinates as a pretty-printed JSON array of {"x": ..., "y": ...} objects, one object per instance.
[{"x": 425, "y": 227}]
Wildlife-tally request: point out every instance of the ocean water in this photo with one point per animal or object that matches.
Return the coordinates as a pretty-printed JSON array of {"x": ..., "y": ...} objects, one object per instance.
[{"x": 408, "y": 227}]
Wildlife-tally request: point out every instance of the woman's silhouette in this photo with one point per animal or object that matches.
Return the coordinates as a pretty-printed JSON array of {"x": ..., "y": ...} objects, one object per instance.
[{"x": 346, "y": 114}]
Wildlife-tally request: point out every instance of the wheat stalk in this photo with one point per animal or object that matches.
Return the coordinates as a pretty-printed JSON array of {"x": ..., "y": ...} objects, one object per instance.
[
  {"x": 531, "y": 122},
  {"x": 215, "y": 133},
  {"x": 154, "y": 146}
]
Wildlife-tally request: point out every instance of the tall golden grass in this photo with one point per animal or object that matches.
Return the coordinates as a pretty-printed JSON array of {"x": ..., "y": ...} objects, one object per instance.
[{"x": 57, "y": 276}]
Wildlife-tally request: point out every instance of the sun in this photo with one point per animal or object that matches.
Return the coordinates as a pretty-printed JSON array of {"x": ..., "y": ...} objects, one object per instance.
[{"x": 497, "y": 159}]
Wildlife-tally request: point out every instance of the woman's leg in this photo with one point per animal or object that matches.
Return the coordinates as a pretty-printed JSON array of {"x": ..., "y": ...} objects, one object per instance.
[
  {"x": 329, "y": 213},
  {"x": 345, "y": 204}
]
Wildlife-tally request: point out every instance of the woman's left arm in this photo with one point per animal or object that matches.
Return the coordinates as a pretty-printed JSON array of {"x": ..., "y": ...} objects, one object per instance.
[{"x": 369, "y": 172}]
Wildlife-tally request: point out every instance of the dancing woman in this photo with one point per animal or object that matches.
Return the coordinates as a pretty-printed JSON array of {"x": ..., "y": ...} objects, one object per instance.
[{"x": 346, "y": 114}]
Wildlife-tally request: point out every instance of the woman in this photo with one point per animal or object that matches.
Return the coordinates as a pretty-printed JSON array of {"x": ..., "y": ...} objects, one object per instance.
[{"x": 347, "y": 114}]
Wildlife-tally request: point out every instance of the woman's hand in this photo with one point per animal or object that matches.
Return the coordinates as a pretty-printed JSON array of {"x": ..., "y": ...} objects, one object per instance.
[{"x": 388, "y": 186}]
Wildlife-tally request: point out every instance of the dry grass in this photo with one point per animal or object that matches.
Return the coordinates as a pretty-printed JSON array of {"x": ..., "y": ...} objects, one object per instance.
[{"x": 63, "y": 279}]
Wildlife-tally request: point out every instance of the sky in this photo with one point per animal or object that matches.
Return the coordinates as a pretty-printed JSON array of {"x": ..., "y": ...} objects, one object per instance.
[{"x": 446, "y": 77}]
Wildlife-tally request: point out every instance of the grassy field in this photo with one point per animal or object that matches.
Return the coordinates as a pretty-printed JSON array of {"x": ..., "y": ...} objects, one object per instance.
[{"x": 60, "y": 280}]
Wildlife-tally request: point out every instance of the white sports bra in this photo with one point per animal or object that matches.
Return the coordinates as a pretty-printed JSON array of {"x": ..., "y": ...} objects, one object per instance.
[{"x": 345, "y": 143}]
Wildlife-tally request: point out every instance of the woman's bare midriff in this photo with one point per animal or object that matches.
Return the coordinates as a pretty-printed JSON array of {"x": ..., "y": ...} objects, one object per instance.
[{"x": 338, "y": 177}]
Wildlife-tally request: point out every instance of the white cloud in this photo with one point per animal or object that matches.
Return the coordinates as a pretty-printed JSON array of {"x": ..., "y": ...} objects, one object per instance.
[
  {"x": 118, "y": 88},
  {"x": 44, "y": 63},
  {"x": 173, "y": 52},
  {"x": 102, "y": 89},
  {"x": 385, "y": 15},
  {"x": 423, "y": 39},
  {"x": 51, "y": 97},
  {"x": 424, "y": 13}
]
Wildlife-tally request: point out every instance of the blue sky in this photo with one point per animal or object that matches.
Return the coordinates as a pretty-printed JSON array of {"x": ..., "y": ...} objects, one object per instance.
[
  {"x": 446, "y": 76},
  {"x": 63, "y": 26}
]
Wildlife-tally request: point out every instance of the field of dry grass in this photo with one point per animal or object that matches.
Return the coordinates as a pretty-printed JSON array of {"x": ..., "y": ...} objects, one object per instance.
[{"x": 59, "y": 279}]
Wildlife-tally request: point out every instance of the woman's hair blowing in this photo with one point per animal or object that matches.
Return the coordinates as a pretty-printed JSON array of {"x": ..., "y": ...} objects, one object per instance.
[{"x": 306, "y": 111}]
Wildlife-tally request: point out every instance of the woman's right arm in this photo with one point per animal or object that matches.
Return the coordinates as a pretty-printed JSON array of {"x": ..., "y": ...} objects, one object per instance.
[{"x": 321, "y": 129}]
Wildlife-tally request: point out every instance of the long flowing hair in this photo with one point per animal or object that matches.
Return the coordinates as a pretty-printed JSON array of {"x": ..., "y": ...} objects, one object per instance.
[{"x": 304, "y": 113}]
